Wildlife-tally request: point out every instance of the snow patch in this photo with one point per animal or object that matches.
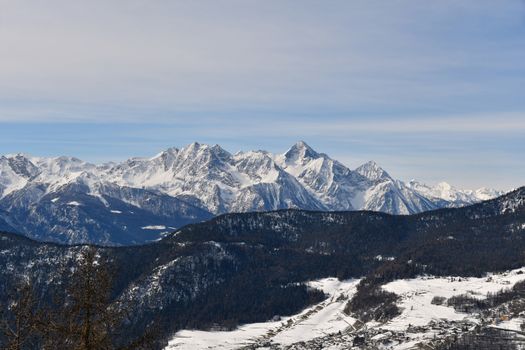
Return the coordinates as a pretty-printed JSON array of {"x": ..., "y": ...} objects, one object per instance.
[
  {"x": 154, "y": 227},
  {"x": 386, "y": 258}
]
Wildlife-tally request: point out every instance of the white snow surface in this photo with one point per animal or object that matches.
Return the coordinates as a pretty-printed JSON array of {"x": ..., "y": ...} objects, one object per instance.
[
  {"x": 247, "y": 181},
  {"x": 318, "y": 320},
  {"x": 512, "y": 324},
  {"x": 154, "y": 227},
  {"x": 327, "y": 317},
  {"x": 455, "y": 196},
  {"x": 416, "y": 295}
]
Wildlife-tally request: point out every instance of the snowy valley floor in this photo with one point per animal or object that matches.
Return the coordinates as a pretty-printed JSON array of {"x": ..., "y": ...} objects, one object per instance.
[{"x": 326, "y": 326}]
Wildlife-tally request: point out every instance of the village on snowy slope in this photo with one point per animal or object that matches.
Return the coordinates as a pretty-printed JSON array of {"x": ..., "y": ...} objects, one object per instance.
[{"x": 429, "y": 317}]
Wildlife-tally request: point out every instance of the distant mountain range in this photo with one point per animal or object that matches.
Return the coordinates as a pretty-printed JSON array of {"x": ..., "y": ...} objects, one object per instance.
[
  {"x": 68, "y": 200},
  {"x": 247, "y": 267}
]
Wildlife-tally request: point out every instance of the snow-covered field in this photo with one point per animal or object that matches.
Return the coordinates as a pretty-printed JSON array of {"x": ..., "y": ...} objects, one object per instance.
[
  {"x": 416, "y": 296},
  {"x": 328, "y": 318},
  {"x": 322, "y": 319}
]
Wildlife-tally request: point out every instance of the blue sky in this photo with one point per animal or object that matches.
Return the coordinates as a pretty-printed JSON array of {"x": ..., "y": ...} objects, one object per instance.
[{"x": 433, "y": 90}]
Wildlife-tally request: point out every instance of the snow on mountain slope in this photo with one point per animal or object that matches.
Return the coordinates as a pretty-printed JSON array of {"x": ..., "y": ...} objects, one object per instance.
[
  {"x": 53, "y": 169},
  {"x": 484, "y": 193},
  {"x": 268, "y": 186},
  {"x": 80, "y": 208},
  {"x": 210, "y": 179},
  {"x": 419, "y": 311},
  {"x": 417, "y": 294},
  {"x": 454, "y": 197},
  {"x": 219, "y": 181},
  {"x": 512, "y": 202},
  {"x": 371, "y": 170},
  {"x": 326, "y": 326},
  {"x": 15, "y": 172},
  {"x": 392, "y": 196},
  {"x": 318, "y": 320},
  {"x": 336, "y": 186}
]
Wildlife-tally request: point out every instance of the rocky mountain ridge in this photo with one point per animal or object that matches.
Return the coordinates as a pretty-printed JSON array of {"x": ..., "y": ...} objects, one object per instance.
[{"x": 65, "y": 199}]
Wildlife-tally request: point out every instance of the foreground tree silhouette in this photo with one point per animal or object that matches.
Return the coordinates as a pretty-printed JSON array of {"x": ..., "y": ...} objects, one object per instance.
[
  {"x": 85, "y": 321},
  {"x": 84, "y": 316},
  {"x": 89, "y": 319},
  {"x": 19, "y": 327}
]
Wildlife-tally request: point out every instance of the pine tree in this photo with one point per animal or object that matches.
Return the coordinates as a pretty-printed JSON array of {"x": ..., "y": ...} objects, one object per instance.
[
  {"x": 88, "y": 317},
  {"x": 19, "y": 327},
  {"x": 85, "y": 321}
]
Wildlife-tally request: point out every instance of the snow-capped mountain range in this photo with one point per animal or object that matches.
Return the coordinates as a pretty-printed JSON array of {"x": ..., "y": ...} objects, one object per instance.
[{"x": 68, "y": 200}]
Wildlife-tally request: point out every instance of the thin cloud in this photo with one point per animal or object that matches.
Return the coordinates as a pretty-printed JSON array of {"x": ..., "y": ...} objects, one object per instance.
[
  {"x": 218, "y": 54},
  {"x": 370, "y": 79}
]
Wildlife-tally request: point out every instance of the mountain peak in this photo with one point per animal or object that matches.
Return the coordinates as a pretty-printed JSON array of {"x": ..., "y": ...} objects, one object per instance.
[
  {"x": 301, "y": 144},
  {"x": 21, "y": 165},
  {"x": 372, "y": 171},
  {"x": 195, "y": 146},
  {"x": 221, "y": 153},
  {"x": 300, "y": 150},
  {"x": 444, "y": 186},
  {"x": 165, "y": 153}
]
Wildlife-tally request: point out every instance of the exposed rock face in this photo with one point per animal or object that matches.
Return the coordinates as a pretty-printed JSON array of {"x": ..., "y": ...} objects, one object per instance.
[{"x": 67, "y": 200}]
